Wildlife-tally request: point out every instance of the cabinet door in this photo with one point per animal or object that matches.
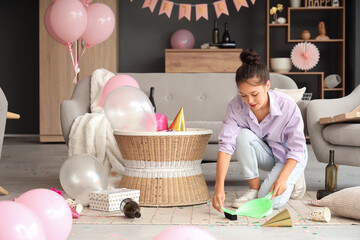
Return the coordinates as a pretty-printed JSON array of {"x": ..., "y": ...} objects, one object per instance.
[{"x": 57, "y": 73}]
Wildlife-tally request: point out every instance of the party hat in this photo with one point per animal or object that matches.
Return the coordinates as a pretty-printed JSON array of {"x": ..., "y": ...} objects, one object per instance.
[
  {"x": 282, "y": 219},
  {"x": 179, "y": 122},
  {"x": 3, "y": 191}
]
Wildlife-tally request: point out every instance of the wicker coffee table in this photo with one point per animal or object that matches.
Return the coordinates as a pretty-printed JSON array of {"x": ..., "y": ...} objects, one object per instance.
[{"x": 165, "y": 166}]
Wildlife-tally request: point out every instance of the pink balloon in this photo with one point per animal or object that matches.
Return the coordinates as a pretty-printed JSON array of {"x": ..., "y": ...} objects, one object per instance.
[
  {"x": 49, "y": 28},
  {"x": 182, "y": 39},
  {"x": 68, "y": 19},
  {"x": 115, "y": 82},
  {"x": 52, "y": 210},
  {"x": 19, "y": 222},
  {"x": 101, "y": 23},
  {"x": 184, "y": 232}
]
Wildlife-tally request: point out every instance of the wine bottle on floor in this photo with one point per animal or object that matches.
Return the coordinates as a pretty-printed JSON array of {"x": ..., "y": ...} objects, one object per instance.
[
  {"x": 331, "y": 173},
  {"x": 151, "y": 97},
  {"x": 130, "y": 208}
]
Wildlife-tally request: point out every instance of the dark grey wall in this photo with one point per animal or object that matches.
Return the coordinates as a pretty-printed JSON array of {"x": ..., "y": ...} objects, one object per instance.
[
  {"x": 19, "y": 63},
  {"x": 352, "y": 48},
  {"x": 143, "y": 36}
]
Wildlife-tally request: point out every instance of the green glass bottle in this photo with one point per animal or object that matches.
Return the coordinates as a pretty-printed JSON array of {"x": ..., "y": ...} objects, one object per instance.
[
  {"x": 130, "y": 208},
  {"x": 331, "y": 173},
  {"x": 215, "y": 33}
]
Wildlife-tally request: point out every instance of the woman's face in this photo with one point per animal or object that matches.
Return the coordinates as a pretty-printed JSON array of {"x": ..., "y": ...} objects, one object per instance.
[{"x": 253, "y": 94}]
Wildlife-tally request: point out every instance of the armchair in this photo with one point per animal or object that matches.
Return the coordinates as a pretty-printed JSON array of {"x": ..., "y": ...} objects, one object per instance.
[
  {"x": 3, "y": 111},
  {"x": 344, "y": 138}
]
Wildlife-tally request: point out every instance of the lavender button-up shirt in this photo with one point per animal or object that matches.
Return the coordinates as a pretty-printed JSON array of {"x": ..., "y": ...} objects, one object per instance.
[{"x": 282, "y": 128}]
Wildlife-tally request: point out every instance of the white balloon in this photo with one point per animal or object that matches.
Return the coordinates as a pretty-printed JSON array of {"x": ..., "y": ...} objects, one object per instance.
[
  {"x": 128, "y": 109},
  {"x": 82, "y": 174}
]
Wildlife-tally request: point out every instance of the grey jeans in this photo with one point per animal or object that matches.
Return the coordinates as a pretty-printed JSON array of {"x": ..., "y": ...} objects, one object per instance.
[{"x": 253, "y": 154}]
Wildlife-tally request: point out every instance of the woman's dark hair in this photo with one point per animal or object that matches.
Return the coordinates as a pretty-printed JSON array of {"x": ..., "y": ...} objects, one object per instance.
[{"x": 251, "y": 67}]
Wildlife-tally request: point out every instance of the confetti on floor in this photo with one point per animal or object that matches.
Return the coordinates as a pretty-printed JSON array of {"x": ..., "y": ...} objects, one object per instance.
[{"x": 205, "y": 215}]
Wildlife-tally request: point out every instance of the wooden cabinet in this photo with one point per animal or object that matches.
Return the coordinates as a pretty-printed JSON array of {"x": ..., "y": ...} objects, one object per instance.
[
  {"x": 336, "y": 42},
  {"x": 57, "y": 73},
  {"x": 202, "y": 60}
]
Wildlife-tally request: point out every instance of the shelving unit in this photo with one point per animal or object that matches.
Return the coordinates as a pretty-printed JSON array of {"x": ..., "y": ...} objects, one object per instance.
[{"x": 338, "y": 42}]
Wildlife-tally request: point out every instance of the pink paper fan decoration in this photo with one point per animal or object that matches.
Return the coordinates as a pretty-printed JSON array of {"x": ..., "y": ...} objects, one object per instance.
[{"x": 305, "y": 56}]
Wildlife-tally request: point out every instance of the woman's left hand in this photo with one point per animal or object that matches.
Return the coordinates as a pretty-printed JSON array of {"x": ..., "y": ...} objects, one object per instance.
[{"x": 278, "y": 187}]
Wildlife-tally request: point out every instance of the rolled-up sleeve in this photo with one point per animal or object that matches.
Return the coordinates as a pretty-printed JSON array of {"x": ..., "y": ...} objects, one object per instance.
[
  {"x": 294, "y": 132},
  {"x": 229, "y": 131}
]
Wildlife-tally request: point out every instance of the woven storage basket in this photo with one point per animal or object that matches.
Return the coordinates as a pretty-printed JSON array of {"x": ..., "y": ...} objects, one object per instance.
[{"x": 165, "y": 166}]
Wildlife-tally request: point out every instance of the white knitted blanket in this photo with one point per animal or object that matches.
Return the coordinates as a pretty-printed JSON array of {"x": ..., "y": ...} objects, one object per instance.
[{"x": 92, "y": 132}]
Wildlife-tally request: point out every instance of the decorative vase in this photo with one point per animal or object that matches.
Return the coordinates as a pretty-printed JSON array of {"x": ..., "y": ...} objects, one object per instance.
[
  {"x": 305, "y": 35},
  {"x": 295, "y": 3},
  {"x": 281, "y": 65},
  {"x": 332, "y": 81}
]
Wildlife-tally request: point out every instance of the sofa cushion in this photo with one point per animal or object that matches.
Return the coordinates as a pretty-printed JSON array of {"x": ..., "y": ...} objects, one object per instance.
[
  {"x": 344, "y": 203},
  {"x": 294, "y": 94},
  {"x": 214, "y": 126},
  {"x": 346, "y": 134}
]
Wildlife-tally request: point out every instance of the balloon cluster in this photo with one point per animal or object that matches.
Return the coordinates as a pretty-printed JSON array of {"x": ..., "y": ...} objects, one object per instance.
[
  {"x": 68, "y": 20},
  {"x": 127, "y": 107},
  {"x": 37, "y": 214}
]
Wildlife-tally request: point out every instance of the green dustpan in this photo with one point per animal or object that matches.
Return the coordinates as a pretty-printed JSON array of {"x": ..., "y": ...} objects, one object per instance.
[{"x": 257, "y": 208}]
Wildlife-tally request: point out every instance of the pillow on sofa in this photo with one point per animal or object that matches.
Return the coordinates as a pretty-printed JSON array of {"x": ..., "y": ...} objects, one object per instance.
[
  {"x": 344, "y": 203},
  {"x": 295, "y": 94}
]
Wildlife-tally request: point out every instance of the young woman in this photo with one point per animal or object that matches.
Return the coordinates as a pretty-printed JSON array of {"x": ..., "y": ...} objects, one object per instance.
[{"x": 265, "y": 128}]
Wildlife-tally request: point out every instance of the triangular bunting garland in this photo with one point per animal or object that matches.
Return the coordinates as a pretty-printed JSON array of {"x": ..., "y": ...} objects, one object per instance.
[
  {"x": 240, "y": 3},
  {"x": 150, "y": 4},
  {"x": 221, "y": 8},
  {"x": 166, "y": 7},
  {"x": 185, "y": 11},
  {"x": 201, "y": 11}
]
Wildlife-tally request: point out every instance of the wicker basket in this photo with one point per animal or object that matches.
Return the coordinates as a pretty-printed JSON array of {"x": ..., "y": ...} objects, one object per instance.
[{"x": 165, "y": 166}]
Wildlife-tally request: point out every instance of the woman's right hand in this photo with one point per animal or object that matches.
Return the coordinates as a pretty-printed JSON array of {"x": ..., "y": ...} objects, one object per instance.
[{"x": 218, "y": 199}]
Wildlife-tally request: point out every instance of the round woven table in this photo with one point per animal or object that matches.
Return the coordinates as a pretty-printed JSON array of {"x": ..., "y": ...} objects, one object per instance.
[{"x": 165, "y": 166}]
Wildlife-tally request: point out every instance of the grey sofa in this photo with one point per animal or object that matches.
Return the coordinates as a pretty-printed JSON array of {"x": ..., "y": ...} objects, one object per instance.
[
  {"x": 344, "y": 138},
  {"x": 204, "y": 97},
  {"x": 3, "y": 111}
]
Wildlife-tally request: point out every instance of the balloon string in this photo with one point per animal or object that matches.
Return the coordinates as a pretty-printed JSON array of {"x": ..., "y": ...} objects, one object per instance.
[
  {"x": 83, "y": 51},
  {"x": 75, "y": 64}
]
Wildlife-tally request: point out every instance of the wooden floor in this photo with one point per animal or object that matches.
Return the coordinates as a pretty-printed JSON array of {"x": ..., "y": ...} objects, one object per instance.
[
  {"x": 205, "y": 214},
  {"x": 26, "y": 164}
]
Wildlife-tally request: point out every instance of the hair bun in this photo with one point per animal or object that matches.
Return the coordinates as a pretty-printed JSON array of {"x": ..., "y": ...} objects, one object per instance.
[{"x": 250, "y": 57}]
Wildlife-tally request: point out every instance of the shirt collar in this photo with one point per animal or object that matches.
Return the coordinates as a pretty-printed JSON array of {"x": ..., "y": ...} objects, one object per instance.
[{"x": 274, "y": 107}]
